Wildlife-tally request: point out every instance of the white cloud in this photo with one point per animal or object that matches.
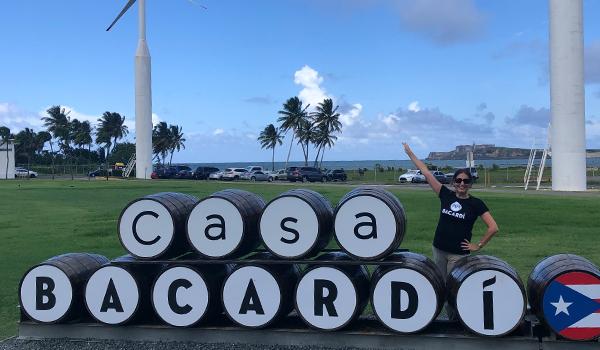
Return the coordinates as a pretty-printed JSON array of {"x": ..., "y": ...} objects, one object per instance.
[
  {"x": 414, "y": 106},
  {"x": 443, "y": 22},
  {"x": 312, "y": 93},
  {"x": 218, "y": 131},
  {"x": 17, "y": 119}
]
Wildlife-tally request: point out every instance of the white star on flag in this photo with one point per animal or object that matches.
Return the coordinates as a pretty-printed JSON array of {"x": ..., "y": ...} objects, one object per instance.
[{"x": 561, "y": 306}]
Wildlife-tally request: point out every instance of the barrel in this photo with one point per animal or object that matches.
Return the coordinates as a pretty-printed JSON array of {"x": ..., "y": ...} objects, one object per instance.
[
  {"x": 407, "y": 296},
  {"x": 51, "y": 292},
  {"x": 564, "y": 292},
  {"x": 225, "y": 224},
  {"x": 296, "y": 224},
  {"x": 488, "y": 295},
  {"x": 257, "y": 294},
  {"x": 119, "y": 293},
  {"x": 369, "y": 223},
  {"x": 153, "y": 226},
  {"x": 329, "y": 296},
  {"x": 185, "y": 295}
]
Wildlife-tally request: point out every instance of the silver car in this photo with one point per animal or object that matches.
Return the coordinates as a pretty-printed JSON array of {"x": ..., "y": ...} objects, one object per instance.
[
  {"x": 259, "y": 176},
  {"x": 233, "y": 173},
  {"x": 218, "y": 175}
]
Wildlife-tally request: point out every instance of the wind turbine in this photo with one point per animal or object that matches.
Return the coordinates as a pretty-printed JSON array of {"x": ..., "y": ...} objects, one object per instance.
[{"x": 143, "y": 94}]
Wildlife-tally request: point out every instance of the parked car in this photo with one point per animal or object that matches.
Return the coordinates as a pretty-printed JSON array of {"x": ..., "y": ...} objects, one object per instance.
[
  {"x": 182, "y": 172},
  {"x": 414, "y": 176},
  {"x": 259, "y": 175},
  {"x": 100, "y": 172},
  {"x": 441, "y": 177},
  {"x": 216, "y": 175},
  {"x": 278, "y": 175},
  {"x": 22, "y": 172},
  {"x": 305, "y": 174},
  {"x": 252, "y": 168},
  {"x": 233, "y": 173},
  {"x": 336, "y": 175},
  {"x": 202, "y": 172}
]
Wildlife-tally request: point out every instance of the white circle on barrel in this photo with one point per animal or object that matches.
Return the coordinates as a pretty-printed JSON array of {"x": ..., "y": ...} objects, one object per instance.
[
  {"x": 112, "y": 295},
  {"x": 343, "y": 306},
  {"x": 490, "y": 302},
  {"x": 396, "y": 289},
  {"x": 251, "y": 296},
  {"x": 215, "y": 227},
  {"x": 188, "y": 291},
  {"x": 55, "y": 293},
  {"x": 146, "y": 228},
  {"x": 346, "y": 222},
  {"x": 294, "y": 214}
]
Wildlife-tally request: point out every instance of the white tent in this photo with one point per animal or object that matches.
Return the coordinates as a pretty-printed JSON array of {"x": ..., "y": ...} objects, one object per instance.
[{"x": 10, "y": 153}]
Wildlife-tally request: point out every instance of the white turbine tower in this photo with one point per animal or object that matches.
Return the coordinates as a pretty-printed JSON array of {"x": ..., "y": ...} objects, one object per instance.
[
  {"x": 143, "y": 95},
  {"x": 567, "y": 95}
]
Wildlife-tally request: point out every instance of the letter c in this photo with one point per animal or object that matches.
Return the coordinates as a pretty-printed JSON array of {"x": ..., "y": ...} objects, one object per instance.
[{"x": 134, "y": 227}]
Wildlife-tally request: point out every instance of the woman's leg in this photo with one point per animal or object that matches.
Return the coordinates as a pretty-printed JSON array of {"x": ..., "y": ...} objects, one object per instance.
[{"x": 441, "y": 261}]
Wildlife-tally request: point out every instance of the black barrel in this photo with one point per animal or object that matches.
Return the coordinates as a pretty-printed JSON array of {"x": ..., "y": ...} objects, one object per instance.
[
  {"x": 225, "y": 224},
  {"x": 52, "y": 291},
  {"x": 488, "y": 295},
  {"x": 559, "y": 281},
  {"x": 186, "y": 295},
  {"x": 153, "y": 227},
  {"x": 369, "y": 223},
  {"x": 296, "y": 224},
  {"x": 257, "y": 294},
  {"x": 419, "y": 279},
  {"x": 325, "y": 293},
  {"x": 119, "y": 292}
]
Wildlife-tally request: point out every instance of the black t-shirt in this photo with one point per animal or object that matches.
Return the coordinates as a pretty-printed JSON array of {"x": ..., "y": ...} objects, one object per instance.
[{"x": 457, "y": 217}]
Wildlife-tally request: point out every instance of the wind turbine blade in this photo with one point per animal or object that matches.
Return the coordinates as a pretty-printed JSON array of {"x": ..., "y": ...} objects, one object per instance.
[{"x": 125, "y": 8}]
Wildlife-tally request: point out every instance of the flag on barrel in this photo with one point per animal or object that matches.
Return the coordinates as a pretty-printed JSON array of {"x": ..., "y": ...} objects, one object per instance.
[{"x": 572, "y": 305}]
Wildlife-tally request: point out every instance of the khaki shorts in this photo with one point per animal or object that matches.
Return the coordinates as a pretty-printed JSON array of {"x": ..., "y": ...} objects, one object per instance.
[{"x": 445, "y": 261}]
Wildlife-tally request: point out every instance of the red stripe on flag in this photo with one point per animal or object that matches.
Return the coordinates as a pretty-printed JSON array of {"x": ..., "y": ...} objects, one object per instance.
[
  {"x": 577, "y": 277},
  {"x": 580, "y": 333}
]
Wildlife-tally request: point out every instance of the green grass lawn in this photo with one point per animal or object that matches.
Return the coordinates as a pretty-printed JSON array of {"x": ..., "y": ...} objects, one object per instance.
[{"x": 40, "y": 219}]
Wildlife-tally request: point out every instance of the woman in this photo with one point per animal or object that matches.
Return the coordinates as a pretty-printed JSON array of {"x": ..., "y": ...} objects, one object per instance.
[{"x": 458, "y": 214}]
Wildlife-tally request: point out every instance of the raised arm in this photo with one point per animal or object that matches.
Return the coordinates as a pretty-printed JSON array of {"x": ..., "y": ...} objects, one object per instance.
[{"x": 431, "y": 180}]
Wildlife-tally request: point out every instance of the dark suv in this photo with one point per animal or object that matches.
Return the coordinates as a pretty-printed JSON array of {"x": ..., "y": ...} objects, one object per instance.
[
  {"x": 202, "y": 172},
  {"x": 304, "y": 174},
  {"x": 181, "y": 172},
  {"x": 336, "y": 175}
]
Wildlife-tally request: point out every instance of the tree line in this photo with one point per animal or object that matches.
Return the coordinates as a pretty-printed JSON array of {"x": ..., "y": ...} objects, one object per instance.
[
  {"x": 317, "y": 128},
  {"x": 69, "y": 141}
]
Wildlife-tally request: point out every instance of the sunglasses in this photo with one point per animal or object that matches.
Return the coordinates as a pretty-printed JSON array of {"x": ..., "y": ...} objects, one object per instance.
[{"x": 458, "y": 180}]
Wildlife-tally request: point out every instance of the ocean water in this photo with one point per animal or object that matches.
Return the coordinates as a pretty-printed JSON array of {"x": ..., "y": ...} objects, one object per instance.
[{"x": 370, "y": 164}]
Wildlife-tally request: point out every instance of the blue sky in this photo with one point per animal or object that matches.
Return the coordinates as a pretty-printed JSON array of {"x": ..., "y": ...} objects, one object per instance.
[{"x": 433, "y": 73}]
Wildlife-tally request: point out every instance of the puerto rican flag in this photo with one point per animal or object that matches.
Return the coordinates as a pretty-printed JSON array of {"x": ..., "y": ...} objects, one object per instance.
[{"x": 572, "y": 305}]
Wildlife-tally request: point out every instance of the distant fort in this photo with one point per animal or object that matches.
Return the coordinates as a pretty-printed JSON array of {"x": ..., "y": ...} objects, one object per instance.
[{"x": 489, "y": 151}]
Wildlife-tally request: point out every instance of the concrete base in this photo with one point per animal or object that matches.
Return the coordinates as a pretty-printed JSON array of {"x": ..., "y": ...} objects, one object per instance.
[{"x": 363, "y": 335}]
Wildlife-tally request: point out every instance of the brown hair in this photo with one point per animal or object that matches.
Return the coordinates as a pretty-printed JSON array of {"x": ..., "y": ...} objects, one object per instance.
[{"x": 465, "y": 171}]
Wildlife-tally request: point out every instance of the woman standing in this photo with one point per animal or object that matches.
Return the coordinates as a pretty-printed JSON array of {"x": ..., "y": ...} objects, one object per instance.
[{"x": 458, "y": 214}]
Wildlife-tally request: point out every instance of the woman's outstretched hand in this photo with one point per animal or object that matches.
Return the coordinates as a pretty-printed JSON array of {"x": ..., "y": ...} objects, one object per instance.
[
  {"x": 466, "y": 245},
  {"x": 406, "y": 148}
]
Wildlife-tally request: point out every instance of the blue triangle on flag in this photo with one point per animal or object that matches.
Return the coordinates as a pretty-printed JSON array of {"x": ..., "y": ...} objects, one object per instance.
[{"x": 580, "y": 307}]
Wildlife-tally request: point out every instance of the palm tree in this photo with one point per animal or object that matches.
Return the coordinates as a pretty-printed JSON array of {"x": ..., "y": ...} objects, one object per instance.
[
  {"x": 323, "y": 138},
  {"x": 57, "y": 124},
  {"x": 269, "y": 138},
  {"x": 25, "y": 144},
  {"x": 161, "y": 135},
  {"x": 176, "y": 140},
  {"x": 103, "y": 138},
  {"x": 291, "y": 115},
  {"x": 306, "y": 134},
  {"x": 112, "y": 125},
  {"x": 328, "y": 121},
  {"x": 5, "y": 137}
]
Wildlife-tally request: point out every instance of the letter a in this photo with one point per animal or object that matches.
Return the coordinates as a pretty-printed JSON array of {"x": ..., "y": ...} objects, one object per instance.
[
  {"x": 111, "y": 299},
  {"x": 413, "y": 300},
  {"x": 251, "y": 301},
  {"x": 220, "y": 225},
  {"x": 43, "y": 288},
  {"x": 372, "y": 224}
]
